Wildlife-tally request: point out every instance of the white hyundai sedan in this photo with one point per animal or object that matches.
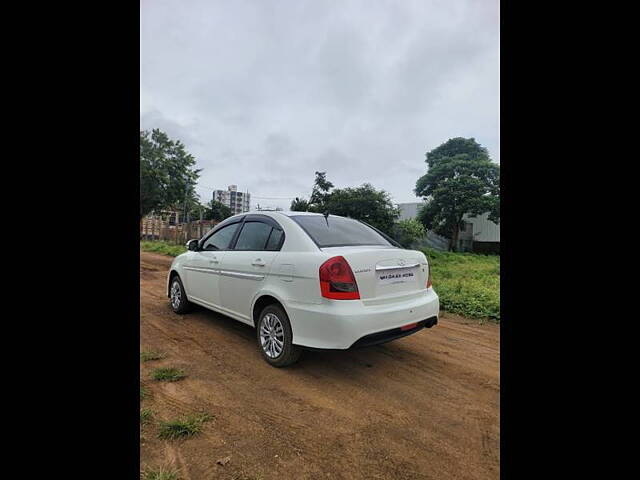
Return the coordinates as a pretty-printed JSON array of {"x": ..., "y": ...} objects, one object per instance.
[{"x": 306, "y": 280}]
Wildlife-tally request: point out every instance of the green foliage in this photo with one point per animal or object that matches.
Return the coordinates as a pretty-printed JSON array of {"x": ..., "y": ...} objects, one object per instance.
[
  {"x": 320, "y": 193},
  {"x": 453, "y": 147},
  {"x": 194, "y": 209},
  {"x": 162, "y": 248},
  {"x": 143, "y": 393},
  {"x": 299, "y": 205},
  {"x": 151, "y": 355},
  {"x": 184, "y": 427},
  {"x": 364, "y": 203},
  {"x": 145, "y": 416},
  {"x": 468, "y": 284},
  {"x": 160, "y": 473},
  {"x": 167, "y": 175},
  {"x": 461, "y": 179},
  {"x": 407, "y": 232},
  {"x": 217, "y": 211},
  {"x": 168, "y": 374}
]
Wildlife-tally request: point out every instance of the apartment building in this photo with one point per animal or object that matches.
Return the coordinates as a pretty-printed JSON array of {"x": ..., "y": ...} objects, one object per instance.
[{"x": 238, "y": 202}]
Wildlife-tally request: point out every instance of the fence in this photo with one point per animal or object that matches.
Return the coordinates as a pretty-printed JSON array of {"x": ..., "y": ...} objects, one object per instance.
[{"x": 159, "y": 229}]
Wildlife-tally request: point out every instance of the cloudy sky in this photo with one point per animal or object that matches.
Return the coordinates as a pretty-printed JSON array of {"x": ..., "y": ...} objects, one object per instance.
[{"x": 265, "y": 92}]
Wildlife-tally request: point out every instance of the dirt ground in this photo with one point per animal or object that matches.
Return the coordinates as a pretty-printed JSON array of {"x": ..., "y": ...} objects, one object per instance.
[{"x": 422, "y": 407}]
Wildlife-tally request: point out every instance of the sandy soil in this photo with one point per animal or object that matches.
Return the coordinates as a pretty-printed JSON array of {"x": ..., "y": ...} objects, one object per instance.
[{"x": 422, "y": 407}]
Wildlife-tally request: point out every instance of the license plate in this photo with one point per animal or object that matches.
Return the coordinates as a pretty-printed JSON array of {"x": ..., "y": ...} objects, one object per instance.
[{"x": 401, "y": 275}]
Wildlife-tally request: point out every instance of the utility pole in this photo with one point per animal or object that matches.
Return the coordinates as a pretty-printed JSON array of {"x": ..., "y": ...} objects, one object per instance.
[{"x": 186, "y": 192}]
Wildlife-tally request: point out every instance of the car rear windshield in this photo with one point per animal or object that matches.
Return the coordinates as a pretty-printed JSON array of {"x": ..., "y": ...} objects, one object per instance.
[{"x": 338, "y": 231}]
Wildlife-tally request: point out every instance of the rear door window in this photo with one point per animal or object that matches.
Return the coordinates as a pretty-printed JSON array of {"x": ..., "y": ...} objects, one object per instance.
[
  {"x": 253, "y": 236},
  {"x": 274, "y": 240}
]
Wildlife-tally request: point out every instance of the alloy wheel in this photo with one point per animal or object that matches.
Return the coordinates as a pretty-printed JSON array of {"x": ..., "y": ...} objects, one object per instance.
[
  {"x": 176, "y": 295},
  {"x": 271, "y": 335}
]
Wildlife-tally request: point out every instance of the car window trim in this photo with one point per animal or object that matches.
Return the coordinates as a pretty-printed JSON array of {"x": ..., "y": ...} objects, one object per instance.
[
  {"x": 216, "y": 229},
  {"x": 280, "y": 243},
  {"x": 270, "y": 222}
]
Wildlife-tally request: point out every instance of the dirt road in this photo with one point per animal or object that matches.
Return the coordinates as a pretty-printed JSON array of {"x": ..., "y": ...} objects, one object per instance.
[{"x": 422, "y": 407}]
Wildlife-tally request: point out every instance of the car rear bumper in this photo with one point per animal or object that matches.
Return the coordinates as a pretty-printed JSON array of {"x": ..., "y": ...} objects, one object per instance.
[
  {"x": 393, "y": 334},
  {"x": 342, "y": 324}
]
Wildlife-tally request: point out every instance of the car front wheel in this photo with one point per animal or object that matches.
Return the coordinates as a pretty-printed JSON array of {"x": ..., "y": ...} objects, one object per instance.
[
  {"x": 275, "y": 338},
  {"x": 178, "y": 298}
]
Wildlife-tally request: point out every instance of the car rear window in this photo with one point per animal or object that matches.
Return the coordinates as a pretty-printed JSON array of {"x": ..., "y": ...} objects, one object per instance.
[{"x": 338, "y": 231}]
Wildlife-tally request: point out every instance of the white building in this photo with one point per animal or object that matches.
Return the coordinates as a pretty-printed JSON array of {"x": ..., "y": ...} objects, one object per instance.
[
  {"x": 409, "y": 210},
  {"x": 479, "y": 234},
  {"x": 238, "y": 202}
]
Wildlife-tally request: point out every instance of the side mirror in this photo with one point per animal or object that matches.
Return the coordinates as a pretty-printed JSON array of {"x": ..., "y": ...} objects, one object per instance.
[{"x": 192, "y": 245}]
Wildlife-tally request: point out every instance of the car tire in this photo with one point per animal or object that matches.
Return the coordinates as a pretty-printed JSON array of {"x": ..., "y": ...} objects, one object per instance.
[
  {"x": 178, "y": 297},
  {"x": 275, "y": 338}
]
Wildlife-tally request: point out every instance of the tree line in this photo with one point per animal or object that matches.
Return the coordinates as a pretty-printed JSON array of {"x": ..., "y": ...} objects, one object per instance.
[
  {"x": 168, "y": 178},
  {"x": 460, "y": 179}
]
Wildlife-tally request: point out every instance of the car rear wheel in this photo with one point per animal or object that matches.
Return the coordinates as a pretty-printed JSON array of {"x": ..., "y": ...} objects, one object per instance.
[
  {"x": 178, "y": 298},
  {"x": 275, "y": 338}
]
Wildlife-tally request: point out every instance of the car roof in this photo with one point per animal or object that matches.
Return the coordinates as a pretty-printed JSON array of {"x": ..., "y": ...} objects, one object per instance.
[
  {"x": 274, "y": 213},
  {"x": 290, "y": 213}
]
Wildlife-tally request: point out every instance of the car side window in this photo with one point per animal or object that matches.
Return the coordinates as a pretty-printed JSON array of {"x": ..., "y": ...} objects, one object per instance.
[
  {"x": 253, "y": 236},
  {"x": 274, "y": 240},
  {"x": 221, "y": 239}
]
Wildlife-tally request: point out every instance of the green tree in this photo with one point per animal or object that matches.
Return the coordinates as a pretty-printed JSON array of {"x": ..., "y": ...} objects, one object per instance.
[
  {"x": 217, "y": 211},
  {"x": 319, "y": 193},
  {"x": 407, "y": 232},
  {"x": 194, "y": 209},
  {"x": 363, "y": 203},
  {"x": 299, "y": 205},
  {"x": 461, "y": 179},
  {"x": 167, "y": 174}
]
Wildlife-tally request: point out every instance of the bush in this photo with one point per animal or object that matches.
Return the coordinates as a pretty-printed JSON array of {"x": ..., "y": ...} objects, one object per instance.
[
  {"x": 467, "y": 284},
  {"x": 407, "y": 232},
  {"x": 163, "y": 248}
]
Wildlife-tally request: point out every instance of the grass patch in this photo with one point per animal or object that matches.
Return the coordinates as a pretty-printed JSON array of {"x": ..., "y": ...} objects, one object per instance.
[
  {"x": 143, "y": 393},
  {"x": 146, "y": 414},
  {"x": 160, "y": 473},
  {"x": 468, "y": 284},
  {"x": 163, "y": 248},
  {"x": 168, "y": 374},
  {"x": 148, "y": 356},
  {"x": 184, "y": 427}
]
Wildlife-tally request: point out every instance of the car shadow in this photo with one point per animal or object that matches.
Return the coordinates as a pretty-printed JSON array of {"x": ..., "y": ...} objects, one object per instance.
[{"x": 320, "y": 363}]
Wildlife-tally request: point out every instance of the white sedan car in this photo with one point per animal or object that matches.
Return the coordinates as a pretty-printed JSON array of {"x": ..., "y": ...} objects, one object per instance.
[{"x": 306, "y": 280}]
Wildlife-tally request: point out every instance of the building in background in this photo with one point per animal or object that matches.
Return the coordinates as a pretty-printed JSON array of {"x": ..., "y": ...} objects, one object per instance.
[
  {"x": 409, "y": 210},
  {"x": 478, "y": 234},
  {"x": 238, "y": 202},
  {"x": 483, "y": 235}
]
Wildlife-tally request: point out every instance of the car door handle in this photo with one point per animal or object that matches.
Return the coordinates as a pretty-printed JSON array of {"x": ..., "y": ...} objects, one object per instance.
[
  {"x": 213, "y": 260},
  {"x": 258, "y": 262}
]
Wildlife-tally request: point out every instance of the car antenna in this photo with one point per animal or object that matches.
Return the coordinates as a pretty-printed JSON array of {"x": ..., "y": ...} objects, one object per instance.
[{"x": 326, "y": 217}]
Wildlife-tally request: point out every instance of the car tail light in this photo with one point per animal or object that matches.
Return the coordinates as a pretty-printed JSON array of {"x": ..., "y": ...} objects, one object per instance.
[
  {"x": 429, "y": 278},
  {"x": 337, "y": 280}
]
